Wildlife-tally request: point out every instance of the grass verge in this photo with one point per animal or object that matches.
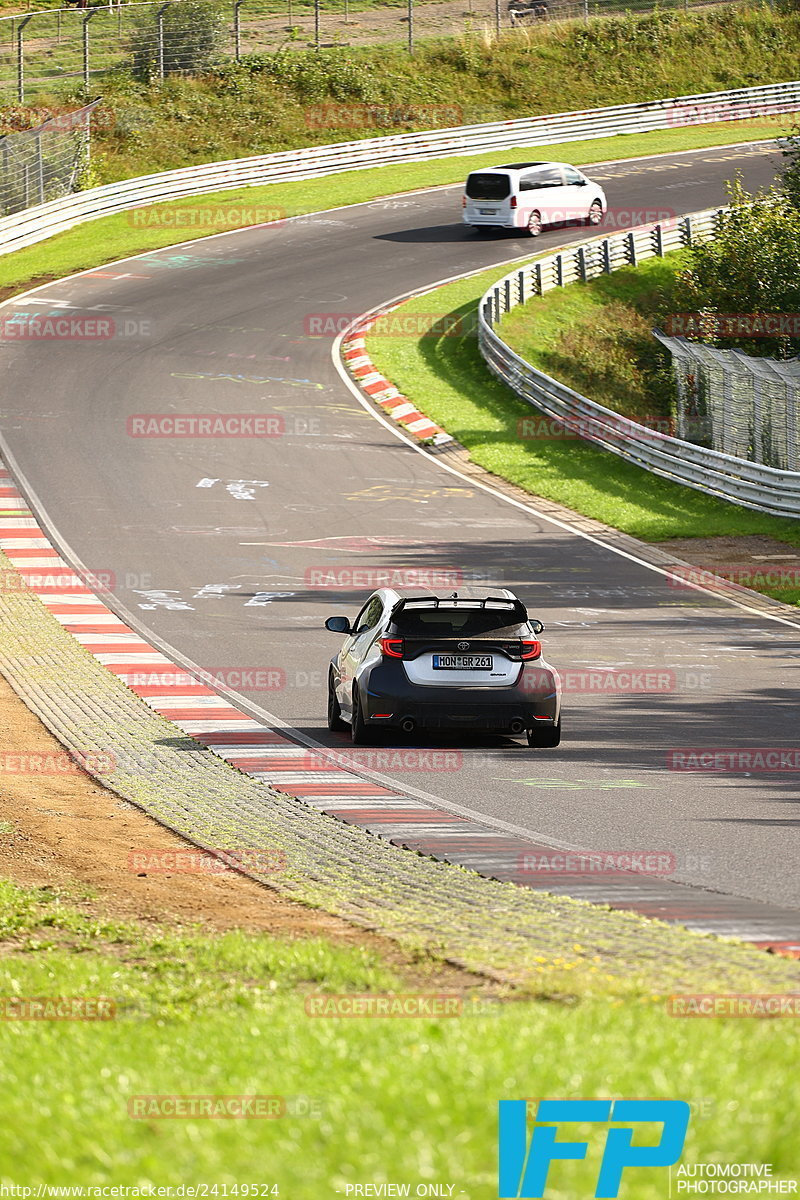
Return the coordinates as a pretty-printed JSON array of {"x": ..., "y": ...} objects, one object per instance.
[
  {"x": 447, "y": 379},
  {"x": 112, "y": 238},
  {"x": 408, "y": 1100}
]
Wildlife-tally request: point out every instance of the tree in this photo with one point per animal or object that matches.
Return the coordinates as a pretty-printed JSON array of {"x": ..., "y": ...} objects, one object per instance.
[
  {"x": 752, "y": 267},
  {"x": 192, "y": 39}
]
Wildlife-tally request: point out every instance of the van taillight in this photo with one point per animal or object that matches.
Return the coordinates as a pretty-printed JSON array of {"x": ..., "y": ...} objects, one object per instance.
[
  {"x": 391, "y": 647},
  {"x": 513, "y": 201},
  {"x": 530, "y": 649},
  {"x": 463, "y": 201}
]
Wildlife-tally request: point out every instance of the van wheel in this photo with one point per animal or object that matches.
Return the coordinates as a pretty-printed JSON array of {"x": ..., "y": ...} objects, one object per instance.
[
  {"x": 535, "y": 224},
  {"x": 595, "y": 214}
]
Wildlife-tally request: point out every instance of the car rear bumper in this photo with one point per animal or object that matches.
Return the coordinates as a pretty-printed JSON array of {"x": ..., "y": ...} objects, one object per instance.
[{"x": 389, "y": 699}]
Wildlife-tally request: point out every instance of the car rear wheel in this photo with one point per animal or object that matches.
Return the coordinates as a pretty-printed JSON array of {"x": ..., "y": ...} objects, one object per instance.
[
  {"x": 535, "y": 223},
  {"x": 360, "y": 732},
  {"x": 335, "y": 722},
  {"x": 595, "y": 214},
  {"x": 545, "y": 737}
]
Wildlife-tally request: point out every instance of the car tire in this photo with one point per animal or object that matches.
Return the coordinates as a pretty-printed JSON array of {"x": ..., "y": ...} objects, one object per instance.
[
  {"x": 595, "y": 214},
  {"x": 545, "y": 738},
  {"x": 535, "y": 223},
  {"x": 360, "y": 732},
  {"x": 335, "y": 722}
]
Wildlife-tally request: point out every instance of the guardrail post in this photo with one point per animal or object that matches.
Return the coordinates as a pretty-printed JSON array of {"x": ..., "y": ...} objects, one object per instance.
[
  {"x": 658, "y": 235},
  {"x": 316, "y": 24},
  {"x": 521, "y": 278},
  {"x": 160, "y": 26},
  {"x": 496, "y": 296},
  {"x": 506, "y": 295},
  {"x": 537, "y": 278},
  {"x": 497, "y": 16},
  {"x": 559, "y": 261},
  {"x": 21, "y": 57},
  {"x": 606, "y": 245},
  {"x": 86, "y": 21},
  {"x": 582, "y": 262},
  {"x": 237, "y": 30},
  {"x": 631, "y": 240},
  {"x": 686, "y": 230}
]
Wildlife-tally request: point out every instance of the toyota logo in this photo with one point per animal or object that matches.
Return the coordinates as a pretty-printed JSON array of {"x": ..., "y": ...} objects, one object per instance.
[{"x": 463, "y": 645}]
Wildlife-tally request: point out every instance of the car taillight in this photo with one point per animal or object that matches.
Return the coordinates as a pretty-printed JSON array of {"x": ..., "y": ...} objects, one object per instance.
[
  {"x": 463, "y": 201},
  {"x": 513, "y": 201},
  {"x": 530, "y": 649},
  {"x": 392, "y": 647}
]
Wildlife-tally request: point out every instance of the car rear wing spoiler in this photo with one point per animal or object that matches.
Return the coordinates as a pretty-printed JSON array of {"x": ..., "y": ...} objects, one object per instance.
[{"x": 514, "y": 608}]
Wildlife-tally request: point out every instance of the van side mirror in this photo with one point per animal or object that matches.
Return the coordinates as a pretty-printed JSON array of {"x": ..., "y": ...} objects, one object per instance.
[{"x": 338, "y": 624}]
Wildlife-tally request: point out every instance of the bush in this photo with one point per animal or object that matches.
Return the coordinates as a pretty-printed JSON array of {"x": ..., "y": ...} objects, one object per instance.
[
  {"x": 193, "y": 35},
  {"x": 752, "y": 266}
]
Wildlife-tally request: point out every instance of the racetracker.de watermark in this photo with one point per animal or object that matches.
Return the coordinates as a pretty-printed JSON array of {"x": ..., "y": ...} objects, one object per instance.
[
  {"x": 398, "y": 324},
  {"x": 71, "y": 327},
  {"x": 57, "y": 1008},
  {"x": 597, "y": 862},
  {"x": 578, "y": 681},
  {"x": 702, "y": 114},
  {"x": 205, "y": 425},
  {"x": 382, "y": 116},
  {"x": 225, "y": 1108},
  {"x": 370, "y": 578},
  {"x": 205, "y": 216},
  {"x": 543, "y": 428},
  {"x": 58, "y": 763},
  {"x": 733, "y": 325},
  {"x": 245, "y": 679},
  {"x": 741, "y": 574},
  {"x": 710, "y": 1004},
  {"x": 193, "y": 861},
  {"x": 401, "y": 1005},
  {"x": 735, "y": 758},
  {"x": 39, "y": 580}
]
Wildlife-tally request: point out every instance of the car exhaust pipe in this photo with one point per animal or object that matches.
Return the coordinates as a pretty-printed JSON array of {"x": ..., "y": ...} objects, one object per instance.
[
  {"x": 408, "y": 724},
  {"x": 517, "y": 726}
]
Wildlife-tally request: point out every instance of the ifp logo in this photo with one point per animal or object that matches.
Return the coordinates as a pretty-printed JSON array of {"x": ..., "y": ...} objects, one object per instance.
[{"x": 524, "y": 1165}]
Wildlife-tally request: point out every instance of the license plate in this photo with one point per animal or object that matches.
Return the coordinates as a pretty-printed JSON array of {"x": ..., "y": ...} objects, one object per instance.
[
  {"x": 487, "y": 212},
  {"x": 462, "y": 662}
]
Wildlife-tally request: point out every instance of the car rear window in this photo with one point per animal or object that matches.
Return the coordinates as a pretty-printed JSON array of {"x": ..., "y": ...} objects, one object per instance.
[
  {"x": 488, "y": 186},
  {"x": 449, "y": 622}
]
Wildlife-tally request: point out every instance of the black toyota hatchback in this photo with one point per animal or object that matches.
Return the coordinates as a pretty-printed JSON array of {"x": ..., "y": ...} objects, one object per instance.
[{"x": 471, "y": 660}]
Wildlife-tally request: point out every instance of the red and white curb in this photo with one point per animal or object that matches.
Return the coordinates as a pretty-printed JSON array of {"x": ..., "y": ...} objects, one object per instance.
[
  {"x": 384, "y": 393},
  {"x": 323, "y": 780}
]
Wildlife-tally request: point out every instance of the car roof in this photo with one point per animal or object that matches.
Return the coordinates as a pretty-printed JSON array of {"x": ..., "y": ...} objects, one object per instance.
[
  {"x": 391, "y": 596},
  {"x": 520, "y": 166}
]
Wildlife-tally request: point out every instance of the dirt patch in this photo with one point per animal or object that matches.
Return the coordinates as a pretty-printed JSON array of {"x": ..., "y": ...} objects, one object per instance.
[
  {"x": 750, "y": 550},
  {"x": 65, "y": 830}
]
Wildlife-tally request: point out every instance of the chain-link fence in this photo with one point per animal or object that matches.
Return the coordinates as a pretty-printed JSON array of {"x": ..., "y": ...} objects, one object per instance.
[
  {"x": 748, "y": 407},
  {"x": 44, "y": 163},
  {"x": 39, "y": 50}
]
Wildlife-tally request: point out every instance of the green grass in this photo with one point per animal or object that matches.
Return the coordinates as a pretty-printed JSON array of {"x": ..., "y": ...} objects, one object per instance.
[
  {"x": 596, "y": 337},
  {"x": 448, "y": 380},
  {"x": 406, "y": 1100},
  {"x": 114, "y": 237},
  {"x": 282, "y": 101}
]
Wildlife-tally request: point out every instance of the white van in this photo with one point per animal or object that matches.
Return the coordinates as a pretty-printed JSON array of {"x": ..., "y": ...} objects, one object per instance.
[{"x": 529, "y": 196}]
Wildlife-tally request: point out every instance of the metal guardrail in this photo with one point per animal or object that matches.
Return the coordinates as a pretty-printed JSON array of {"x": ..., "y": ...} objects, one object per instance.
[
  {"x": 317, "y": 161},
  {"x": 750, "y": 484}
]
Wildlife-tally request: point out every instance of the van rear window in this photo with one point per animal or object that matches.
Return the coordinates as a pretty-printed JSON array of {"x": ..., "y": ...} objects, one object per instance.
[{"x": 486, "y": 186}]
